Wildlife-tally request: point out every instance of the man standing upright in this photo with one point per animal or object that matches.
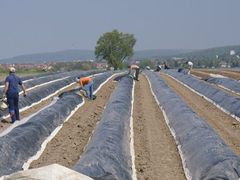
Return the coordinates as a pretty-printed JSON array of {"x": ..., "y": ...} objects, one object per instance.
[
  {"x": 11, "y": 91},
  {"x": 190, "y": 66}
]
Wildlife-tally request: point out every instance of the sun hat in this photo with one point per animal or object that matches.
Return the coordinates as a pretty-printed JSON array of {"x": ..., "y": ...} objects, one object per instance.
[{"x": 12, "y": 70}]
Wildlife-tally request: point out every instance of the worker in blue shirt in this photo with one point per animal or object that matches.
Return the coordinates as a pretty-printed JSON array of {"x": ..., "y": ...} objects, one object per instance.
[{"x": 11, "y": 91}]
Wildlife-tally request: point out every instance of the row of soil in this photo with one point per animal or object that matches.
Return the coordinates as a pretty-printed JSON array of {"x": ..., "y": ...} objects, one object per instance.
[
  {"x": 67, "y": 146},
  {"x": 155, "y": 149},
  {"x": 156, "y": 154},
  {"x": 204, "y": 76},
  {"x": 227, "y": 73},
  {"x": 224, "y": 125}
]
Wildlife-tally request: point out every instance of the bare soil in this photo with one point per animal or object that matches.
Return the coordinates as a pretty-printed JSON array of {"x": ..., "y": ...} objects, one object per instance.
[
  {"x": 224, "y": 125},
  {"x": 156, "y": 153},
  {"x": 204, "y": 76},
  {"x": 67, "y": 146},
  {"x": 227, "y": 73}
]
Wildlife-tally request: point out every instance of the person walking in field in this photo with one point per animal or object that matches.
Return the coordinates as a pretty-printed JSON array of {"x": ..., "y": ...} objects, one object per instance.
[
  {"x": 135, "y": 68},
  {"x": 86, "y": 83},
  {"x": 11, "y": 91},
  {"x": 190, "y": 66}
]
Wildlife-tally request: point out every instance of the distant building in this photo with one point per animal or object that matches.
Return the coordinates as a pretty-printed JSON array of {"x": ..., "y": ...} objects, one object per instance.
[
  {"x": 232, "y": 52},
  {"x": 101, "y": 65},
  {"x": 177, "y": 58},
  {"x": 223, "y": 64}
]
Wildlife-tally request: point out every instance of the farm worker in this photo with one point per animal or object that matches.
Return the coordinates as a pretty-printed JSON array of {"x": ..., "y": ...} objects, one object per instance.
[
  {"x": 86, "y": 83},
  {"x": 165, "y": 65},
  {"x": 190, "y": 66},
  {"x": 136, "y": 68},
  {"x": 158, "y": 68},
  {"x": 11, "y": 91}
]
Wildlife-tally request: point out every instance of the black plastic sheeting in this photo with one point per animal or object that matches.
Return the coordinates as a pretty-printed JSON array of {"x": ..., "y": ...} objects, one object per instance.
[
  {"x": 228, "y": 83},
  {"x": 205, "y": 154},
  {"x": 223, "y": 99},
  {"x": 25, "y": 140},
  {"x": 39, "y": 93},
  {"x": 34, "y": 76},
  {"x": 44, "y": 79},
  {"x": 107, "y": 155}
]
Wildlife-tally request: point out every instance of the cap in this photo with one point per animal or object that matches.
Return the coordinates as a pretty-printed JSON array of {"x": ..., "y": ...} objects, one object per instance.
[
  {"x": 12, "y": 70},
  {"x": 77, "y": 79}
]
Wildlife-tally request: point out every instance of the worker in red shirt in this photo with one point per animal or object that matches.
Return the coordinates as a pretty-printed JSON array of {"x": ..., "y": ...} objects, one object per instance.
[{"x": 86, "y": 84}]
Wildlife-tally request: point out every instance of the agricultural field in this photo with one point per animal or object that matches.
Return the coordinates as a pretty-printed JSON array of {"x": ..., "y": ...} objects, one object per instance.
[{"x": 167, "y": 125}]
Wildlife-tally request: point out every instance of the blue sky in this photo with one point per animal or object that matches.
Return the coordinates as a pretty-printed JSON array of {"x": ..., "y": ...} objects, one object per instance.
[{"x": 32, "y": 26}]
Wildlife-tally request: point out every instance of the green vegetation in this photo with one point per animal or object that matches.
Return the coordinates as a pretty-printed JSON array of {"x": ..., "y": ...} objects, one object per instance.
[
  {"x": 69, "y": 66},
  {"x": 115, "y": 47},
  {"x": 60, "y": 56},
  {"x": 61, "y": 66},
  {"x": 21, "y": 72},
  {"x": 214, "y": 57},
  {"x": 147, "y": 62}
]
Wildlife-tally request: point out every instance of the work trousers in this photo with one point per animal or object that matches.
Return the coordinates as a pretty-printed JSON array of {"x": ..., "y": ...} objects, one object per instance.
[
  {"x": 12, "y": 100},
  {"x": 137, "y": 73},
  {"x": 89, "y": 89}
]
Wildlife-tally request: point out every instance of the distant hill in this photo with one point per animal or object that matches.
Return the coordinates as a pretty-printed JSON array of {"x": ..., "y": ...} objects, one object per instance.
[
  {"x": 152, "y": 53},
  {"x": 212, "y": 52},
  {"x": 59, "y": 56},
  {"x": 75, "y": 54}
]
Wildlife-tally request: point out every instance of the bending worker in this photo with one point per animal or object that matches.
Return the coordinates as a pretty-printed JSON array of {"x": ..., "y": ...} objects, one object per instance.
[
  {"x": 136, "y": 68},
  {"x": 11, "y": 90},
  {"x": 86, "y": 83}
]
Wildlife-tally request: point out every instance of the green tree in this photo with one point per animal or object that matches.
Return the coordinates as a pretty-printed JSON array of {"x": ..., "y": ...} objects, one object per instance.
[{"x": 115, "y": 47}]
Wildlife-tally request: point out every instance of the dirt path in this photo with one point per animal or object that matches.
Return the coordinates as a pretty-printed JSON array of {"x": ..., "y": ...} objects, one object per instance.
[
  {"x": 66, "y": 147},
  {"x": 230, "y": 74},
  {"x": 226, "y": 126},
  {"x": 200, "y": 74},
  {"x": 204, "y": 75},
  {"x": 155, "y": 149}
]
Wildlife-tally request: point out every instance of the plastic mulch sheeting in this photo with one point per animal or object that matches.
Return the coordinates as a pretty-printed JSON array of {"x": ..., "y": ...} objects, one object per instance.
[
  {"x": 30, "y": 83},
  {"x": 107, "y": 156},
  {"x": 45, "y": 79},
  {"x": 25, "y": 140},
  {"x": 38, "y": 94},
  {"x": 221, "y": 98},
  {"x": 228, "y": 83},
  {"x": 25, "y": 78},
  {"x": 204, "y": 154}
]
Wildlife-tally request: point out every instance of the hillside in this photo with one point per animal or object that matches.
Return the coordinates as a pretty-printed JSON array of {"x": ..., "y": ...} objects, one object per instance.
[
  {"x": 75, "y": 54},
  {"x": 151, "y": 53},
  {"x": 58, "y": 56},
  {"x": 212, "y": 52}
]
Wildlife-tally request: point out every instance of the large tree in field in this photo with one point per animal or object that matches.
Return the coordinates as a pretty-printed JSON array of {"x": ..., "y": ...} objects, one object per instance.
[{"x": 115, "y": 47}]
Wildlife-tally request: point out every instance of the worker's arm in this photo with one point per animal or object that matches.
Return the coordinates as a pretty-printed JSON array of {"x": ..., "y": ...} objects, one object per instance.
[
  {"x": 24, "y": 90},
  {"x": 80, "y": 83},
  {"x": 22, "y": 86},
  {"x": 6, "y": 87}
]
